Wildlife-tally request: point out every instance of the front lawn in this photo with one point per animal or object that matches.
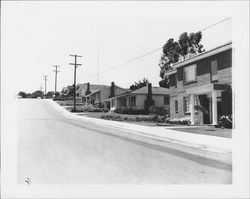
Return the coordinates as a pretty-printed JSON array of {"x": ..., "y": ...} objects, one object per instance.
[
  {"x": 151, "y": 120},
  {"x": 206, "y": 130}
]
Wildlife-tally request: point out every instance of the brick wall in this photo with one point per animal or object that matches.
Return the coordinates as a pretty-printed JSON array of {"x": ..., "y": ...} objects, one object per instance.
[{"x": 224, "y": 60}]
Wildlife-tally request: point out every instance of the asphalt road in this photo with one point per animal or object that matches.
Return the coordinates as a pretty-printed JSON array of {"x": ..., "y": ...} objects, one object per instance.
[{"x": 54, "y": 149}]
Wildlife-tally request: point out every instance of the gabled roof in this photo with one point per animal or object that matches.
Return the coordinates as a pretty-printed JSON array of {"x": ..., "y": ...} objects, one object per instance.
[
  {"x": 144, "y": 91},
  {"x": 200, "y": 56},
  {"x": 93, "y": 92},
  {"x": 155, "y": 90},
  {"x": 94, "y": 87}
]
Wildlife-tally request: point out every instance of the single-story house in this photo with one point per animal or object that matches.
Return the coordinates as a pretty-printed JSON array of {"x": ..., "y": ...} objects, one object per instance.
[
  {"x": 98, "y": 96},
  {"x": 136, "y": 99}
]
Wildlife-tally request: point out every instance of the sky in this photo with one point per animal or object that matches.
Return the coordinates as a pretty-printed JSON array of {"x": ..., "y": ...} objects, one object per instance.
[{"x": 38, "y": 35}]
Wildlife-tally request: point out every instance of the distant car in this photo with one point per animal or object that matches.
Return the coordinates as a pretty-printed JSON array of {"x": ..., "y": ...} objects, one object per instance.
[{"x": 39, "y": 98}]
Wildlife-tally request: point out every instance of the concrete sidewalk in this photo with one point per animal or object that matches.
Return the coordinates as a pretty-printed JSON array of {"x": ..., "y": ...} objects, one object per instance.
[{"x": 203, "y": 142}]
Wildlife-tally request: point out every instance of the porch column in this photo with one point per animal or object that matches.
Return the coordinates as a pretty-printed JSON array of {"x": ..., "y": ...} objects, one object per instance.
[
  {"x": 116, "y": 102},
  {"x": 192, "y": 109},
  {"x": 214, "y": 107}
]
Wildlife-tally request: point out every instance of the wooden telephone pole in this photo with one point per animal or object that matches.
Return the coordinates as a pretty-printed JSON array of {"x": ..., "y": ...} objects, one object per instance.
[
  {"x": 56, "y": 71},
  {"x": 45, "y": 82},
  {"x": 74, "y": 85}
]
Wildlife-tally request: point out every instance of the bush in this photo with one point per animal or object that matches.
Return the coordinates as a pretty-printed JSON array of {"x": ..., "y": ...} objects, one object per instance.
[
  {"x": 182, "y": 121},
  {"x": 159, "y": 110},
  {"x": 129, "y": 111},
  {"x": 112, "y": 117},
  {"x": 201, "y": 109},
  {"x": 98, "y": 110},
  {"x": 139, "y": 118},
  {"x": 91, "y": 108},
  {"x": 75, "y": 110},
  {"x": 226, "y": 121}
]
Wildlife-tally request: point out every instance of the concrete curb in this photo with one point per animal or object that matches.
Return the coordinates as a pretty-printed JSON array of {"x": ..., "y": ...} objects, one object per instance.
[{"x": 208, "y": 143}]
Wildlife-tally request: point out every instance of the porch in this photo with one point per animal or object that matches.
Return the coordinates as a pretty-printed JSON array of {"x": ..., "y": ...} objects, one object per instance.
[
  {"x": 128, "y": 101},
  {"x": 214, "y": 98}
]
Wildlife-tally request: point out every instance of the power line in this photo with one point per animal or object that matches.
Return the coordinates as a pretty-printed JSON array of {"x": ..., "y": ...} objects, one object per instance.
[
  {"x": 215, "y": 24},
  {"x": 150, "y": 52}
]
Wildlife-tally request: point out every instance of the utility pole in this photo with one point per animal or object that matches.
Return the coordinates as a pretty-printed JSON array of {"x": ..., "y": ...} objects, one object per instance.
[
  {"x": 56, "y": 71},
  {"x": 98, "y": 61},
  {"x": 45, "y": 82},
  {"x": 74, "y": 85}
]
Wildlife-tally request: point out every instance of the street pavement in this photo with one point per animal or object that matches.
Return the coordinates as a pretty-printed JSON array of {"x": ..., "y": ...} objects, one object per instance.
[{"x": 55, "y": 148}]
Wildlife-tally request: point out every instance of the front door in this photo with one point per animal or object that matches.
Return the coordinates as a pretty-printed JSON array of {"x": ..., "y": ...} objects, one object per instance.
[{"x": 205, "y": 102}]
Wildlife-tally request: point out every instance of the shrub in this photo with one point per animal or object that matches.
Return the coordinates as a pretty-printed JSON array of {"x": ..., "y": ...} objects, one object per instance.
[
  {"x": 91, "y": 108},
  {"x": 159, "y": 110},
  {"x": 75, "y": 110},
  {"x": 201, "y": 109},
  {"x": 112, "y": 117},
  {"x": 226, "y": 121},
  {"x": 122, "y": 117},
  {"x": 129, "y": 111},
  {"x": 182, "y": 121}
]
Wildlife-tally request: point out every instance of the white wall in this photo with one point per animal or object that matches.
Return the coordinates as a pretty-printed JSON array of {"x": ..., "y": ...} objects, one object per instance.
[{"x": 158, "y": 99}]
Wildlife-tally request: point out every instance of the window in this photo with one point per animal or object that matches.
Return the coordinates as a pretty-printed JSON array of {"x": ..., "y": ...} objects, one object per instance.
[
  {"x": 113, "y": 103},
  {"x": 166, "y": 100},
  {"x": 176, "y": 106},
  {"x": 132, "y": 101},
  {"x": 189, "y": 73},
  {"x": 187, "y": 103},
  {"x": 124, "y": 102},
  {"x": 214, "y": 70}
]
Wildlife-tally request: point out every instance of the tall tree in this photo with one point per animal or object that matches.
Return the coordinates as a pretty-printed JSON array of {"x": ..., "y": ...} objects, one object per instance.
[
  {"x": 139, "y": 84},
  {"x": 174, "y": 50}
]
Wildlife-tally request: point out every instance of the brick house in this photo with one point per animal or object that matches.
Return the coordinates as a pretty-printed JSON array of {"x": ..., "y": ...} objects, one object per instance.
[
  {"x": 136, "y": 99},
  {"x": 204, "y": 79}
]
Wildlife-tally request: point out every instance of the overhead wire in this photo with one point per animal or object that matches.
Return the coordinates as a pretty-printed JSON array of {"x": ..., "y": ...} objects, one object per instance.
[{"x": 150, "y": 52}]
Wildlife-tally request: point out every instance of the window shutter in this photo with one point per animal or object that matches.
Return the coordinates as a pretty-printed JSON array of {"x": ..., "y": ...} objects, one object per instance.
[
  {"x": 184, "y": 105},
  {"x": 184, "y": 75}
]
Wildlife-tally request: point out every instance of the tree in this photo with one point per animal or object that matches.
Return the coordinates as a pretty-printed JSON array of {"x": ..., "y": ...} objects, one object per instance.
[
  {"x": 164, "y": 83},
  {"x": 57, "y": 94},
  {"x": 139, "y": 84},
  {"x": 28, "y": 95},
  {"x": 37, "y": 94},
  {"x": 22, "y": 94},
  {"x": 174, "y": 50},
  {"x": 50, "y": 94}
]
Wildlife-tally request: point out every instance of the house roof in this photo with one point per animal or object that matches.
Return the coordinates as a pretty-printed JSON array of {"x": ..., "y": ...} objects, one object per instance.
[
  {"x": 93, "y": 92},
  {"x": 144, "y": 91},
  {"x": 155, "y": 90},
  {"x": 200, "y": 56},
  {"x": 93, "y": 87}
]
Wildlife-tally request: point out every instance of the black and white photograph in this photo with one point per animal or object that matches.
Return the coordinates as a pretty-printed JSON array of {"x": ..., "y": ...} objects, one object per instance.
[{"x": 125, "y": 99}]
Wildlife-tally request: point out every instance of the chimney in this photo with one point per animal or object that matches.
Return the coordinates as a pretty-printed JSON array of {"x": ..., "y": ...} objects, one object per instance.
[
  {"x": 149, "y": 101},
  {"x": 149, "y": 91},
  {"x": 112, "y": 89},
  {"x": 88, "y": 89}
]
